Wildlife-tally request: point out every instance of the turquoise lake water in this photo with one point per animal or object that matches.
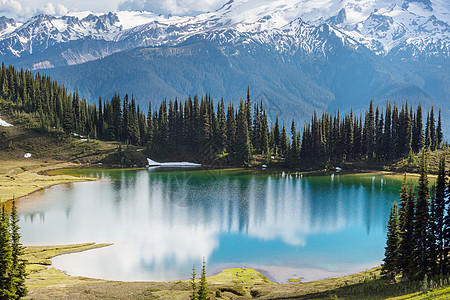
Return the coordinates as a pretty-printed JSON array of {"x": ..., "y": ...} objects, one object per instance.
[{"x": 163, "y": 221}]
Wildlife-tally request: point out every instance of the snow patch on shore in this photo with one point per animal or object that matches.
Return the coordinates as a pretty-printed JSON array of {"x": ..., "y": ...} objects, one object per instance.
[
  {"x": 4, "y": 123},
  {"x": 152, "y": 163}
]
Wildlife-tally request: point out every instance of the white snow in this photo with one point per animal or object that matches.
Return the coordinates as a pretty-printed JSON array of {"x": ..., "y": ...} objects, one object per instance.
[
  {"x": 152, "y": 163},
  {"x": 131, "y": 19},
  {"x": 288, "y": 25},
  {"x": 4, "y": 123}
]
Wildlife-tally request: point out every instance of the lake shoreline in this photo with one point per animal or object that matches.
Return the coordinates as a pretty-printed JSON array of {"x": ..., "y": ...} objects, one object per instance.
[
  {"x": 172, "y": 283},
  {"x": 21, "y": 178},
  {"x": 44, "y": 280}
]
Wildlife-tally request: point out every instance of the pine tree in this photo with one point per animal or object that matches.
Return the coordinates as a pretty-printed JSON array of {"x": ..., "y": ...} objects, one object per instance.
[
  {"x": 18, "y": 264},
  {"x": 418, "y": 139},
  {"x": 432, "y": 127},
  {"x": 422, "y": 222},
  {"x": 439, "y": 134},
  {"x": 231, "y": 130},
  {"x": 369, "y": 131},
  {"x": 427, "y": 142},
  {"x": 407, "y": 242},
  {"x": 7, "y": 288},
  {"x": 264, "y": 135},
  {"x": 391, "y": 266},
  {"x": 284, "y": 142},
  {"x": 276, "y": 137},
  {"x": 242, "y": 137},
  {"x": 438, "y": 215},
  {"x": 194, "y": 295},
  {"x": 404, "y": 219},
  {"x": 203, "y": 293}
]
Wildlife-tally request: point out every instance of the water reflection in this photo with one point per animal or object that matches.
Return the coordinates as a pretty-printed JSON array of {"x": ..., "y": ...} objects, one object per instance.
[{"x": 162, "y": 222}]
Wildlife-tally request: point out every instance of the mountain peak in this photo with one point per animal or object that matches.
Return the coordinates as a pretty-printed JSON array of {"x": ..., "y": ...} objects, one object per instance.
[{"x": 284, "y": 25}]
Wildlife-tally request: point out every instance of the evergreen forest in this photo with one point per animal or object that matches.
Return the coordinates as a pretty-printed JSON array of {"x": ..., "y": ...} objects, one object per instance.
[
  {"x": 210, "y": 130},
  {"x": 418, "y": 238}
]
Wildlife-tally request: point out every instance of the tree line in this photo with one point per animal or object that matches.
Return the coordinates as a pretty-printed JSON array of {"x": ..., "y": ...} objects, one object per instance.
[
  {"x": 197, "y": 125},
  {"x": 418, "y": 237},
  {"x": 12, "y": 266}
]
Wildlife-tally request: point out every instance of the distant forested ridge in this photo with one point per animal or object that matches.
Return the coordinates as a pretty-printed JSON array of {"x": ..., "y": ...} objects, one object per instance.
[{"x": 210, "y": 130}]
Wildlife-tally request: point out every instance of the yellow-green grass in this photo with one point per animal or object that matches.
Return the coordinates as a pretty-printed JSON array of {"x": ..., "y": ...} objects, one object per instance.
[
  {"x": 38, "y": 257},
  {"x": 239, "y": 276},
  {"x": 438, "y": 294},
  {"x": 45, "y": 282},
  {"x": 19, "y": 178}
]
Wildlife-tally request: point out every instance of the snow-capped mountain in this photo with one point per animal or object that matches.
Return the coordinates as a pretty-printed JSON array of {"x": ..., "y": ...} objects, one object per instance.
[
  {"x": 414, "y": 27},
  {"x": 297, "y": 56}
]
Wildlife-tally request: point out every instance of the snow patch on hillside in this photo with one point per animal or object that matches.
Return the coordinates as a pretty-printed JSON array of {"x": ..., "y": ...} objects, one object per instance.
[
  {"x": 152, "y": 163},
  {"x": 4, "y": 123}
]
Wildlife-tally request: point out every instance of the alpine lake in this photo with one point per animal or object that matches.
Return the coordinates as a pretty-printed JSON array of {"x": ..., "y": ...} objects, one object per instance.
[{"x": 161, "y": 221}]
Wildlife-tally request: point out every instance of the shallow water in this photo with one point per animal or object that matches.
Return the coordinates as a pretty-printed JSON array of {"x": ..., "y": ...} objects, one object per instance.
[{"x": 163, "y": 221}]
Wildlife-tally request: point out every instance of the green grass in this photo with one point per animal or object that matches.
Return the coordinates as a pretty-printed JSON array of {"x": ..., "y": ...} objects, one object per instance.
[{"x": 438, "y": 294}]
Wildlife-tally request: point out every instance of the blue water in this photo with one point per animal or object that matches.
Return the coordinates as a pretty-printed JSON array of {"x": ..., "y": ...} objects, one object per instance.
[{"x": 161, "y": 222}]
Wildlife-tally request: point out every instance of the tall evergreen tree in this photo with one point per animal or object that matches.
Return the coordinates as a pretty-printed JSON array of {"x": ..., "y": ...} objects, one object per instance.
[
  {"x": 391, "y": 259},
  {"x": 203, "y": 293},
  {"x": 439, "y": 134},
  {"x": 418, "y": 140},
  {"x": 7, "y": 287},
  {"x": 407, "y": 242},
  {"x": 276, "y": 136},
  {"x": 194, "y": 295},
  {"x": 438, "y": 214},
  {"x": 369, "y": 131},
  {"x": 422, "y": 222},
  {"x": 432, "y": 127},
  {"x": 231, "y": 130},
  {"x": 18, "y": 264},
  {"x": 242, "y": 137}
]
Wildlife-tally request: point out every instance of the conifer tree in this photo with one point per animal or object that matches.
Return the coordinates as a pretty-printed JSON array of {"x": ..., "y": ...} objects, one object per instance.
[
  {"x": 203, "y": 293},
  {"x": 222, "y": 127},
  {"x": 407, "y": 242},
  {"x": 18, "y": 264},
  {"x": 231, "y": 130},
  {"x": 7, "y": 288},
  {"x": 194, "y": 295},
  {"x": 264, "y": 135},
  {"x": 149, "y": 135},
  {"x": 418, "y": 140},
  {"x": 391, "y": 255},
  {"x": 406, "y": 218},
  {"x": 100, "y": 120},
  {"x": 242, "y": 137},
  {"x": 248, "y": 112},
  {"x": 276, "y": 136},
  {"x": 427, "y": 141},
  {"x": 422, "y": 223},
  {"x": 369, "y": 132},
  {"x": 284, "y": 142},
  {"x": 439, "y": 134},
  {"x": 432, "y": 129},
  {"x": 438, "y": 214}
]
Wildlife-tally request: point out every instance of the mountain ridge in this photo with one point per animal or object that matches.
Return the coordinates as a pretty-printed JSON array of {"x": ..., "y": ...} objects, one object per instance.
[
  {"x": 299, "y": 56},
  {"x": 378, "y": 25}
]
